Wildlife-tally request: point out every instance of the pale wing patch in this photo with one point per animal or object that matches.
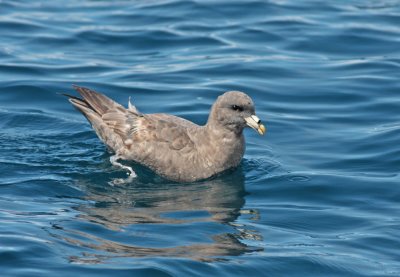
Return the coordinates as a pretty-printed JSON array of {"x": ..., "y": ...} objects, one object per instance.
[
  {"x": 136, "y": 126},
  {"x": 132, "y": 108},
  {"x": 116, "y": 121}
]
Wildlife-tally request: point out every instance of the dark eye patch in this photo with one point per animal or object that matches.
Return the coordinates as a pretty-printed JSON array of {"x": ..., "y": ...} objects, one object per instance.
[{"x": 237, "y": 108}]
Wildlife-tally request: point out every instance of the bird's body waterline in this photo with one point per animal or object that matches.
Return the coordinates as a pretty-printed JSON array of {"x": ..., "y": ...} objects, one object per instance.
[{"x": 173, "y": 147}]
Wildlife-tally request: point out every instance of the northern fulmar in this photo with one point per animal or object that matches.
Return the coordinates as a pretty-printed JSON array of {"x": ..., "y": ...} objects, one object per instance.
[{"x": 173, "y": 147}]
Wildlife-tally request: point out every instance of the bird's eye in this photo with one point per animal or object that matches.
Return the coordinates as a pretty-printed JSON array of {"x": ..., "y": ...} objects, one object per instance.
[{"x": 237, "y": 108}]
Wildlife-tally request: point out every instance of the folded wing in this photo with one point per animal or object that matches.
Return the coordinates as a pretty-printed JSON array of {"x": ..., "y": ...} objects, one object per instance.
[{"x": 148, "y": 139}]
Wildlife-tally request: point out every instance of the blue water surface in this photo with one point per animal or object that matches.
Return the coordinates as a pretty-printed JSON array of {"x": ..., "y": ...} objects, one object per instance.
[{"x": 319, "y": 195}]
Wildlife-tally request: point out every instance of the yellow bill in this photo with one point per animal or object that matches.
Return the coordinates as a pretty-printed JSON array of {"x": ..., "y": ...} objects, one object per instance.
[{"x": 254, "y": 122}]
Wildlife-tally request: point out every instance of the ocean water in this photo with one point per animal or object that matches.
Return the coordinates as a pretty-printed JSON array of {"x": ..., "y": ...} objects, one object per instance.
[{"x": 319, "y": 195}]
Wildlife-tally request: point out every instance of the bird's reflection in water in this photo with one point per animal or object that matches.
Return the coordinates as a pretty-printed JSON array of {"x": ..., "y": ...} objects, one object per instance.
[{"x": 156, "y": 218}]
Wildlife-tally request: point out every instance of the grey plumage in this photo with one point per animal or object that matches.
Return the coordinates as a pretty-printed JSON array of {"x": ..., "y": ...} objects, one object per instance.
[{"x": 173, "y": 147}]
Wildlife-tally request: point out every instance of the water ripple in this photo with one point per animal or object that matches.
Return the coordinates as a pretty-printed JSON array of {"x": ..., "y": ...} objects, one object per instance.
[{"x": 317, "y": 196}]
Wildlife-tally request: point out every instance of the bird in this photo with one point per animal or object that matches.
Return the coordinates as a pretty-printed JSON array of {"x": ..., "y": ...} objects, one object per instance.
[{"x": 173, "y": 147}]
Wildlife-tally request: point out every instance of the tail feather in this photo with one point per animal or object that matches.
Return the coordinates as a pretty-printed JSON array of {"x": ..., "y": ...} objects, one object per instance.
[
  {"x": 97, "y": 101},
  {"x": 71, "y": 96},
  {"x": 107, "y": 117},
  {"x": 82, "y": 106}
]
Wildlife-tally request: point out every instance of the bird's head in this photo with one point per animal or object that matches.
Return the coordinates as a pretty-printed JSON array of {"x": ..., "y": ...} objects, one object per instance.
[{"x": 234, "y": 110}]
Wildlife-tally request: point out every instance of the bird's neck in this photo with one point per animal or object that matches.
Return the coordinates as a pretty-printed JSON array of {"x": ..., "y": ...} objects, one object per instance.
[
  {"x": 216, "y": 131},
  {"x": 217, "y": 128},
  {"x": 227, "y": 141},
  {"x": 228, "y": 145}
]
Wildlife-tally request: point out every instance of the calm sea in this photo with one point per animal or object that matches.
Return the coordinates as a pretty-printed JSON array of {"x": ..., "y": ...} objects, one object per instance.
[{"x": 319, "y": 195}]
